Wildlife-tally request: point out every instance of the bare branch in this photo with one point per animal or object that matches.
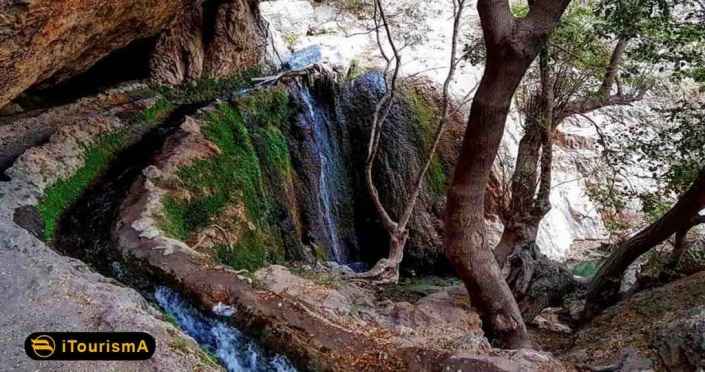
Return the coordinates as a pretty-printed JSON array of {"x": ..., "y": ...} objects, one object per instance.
[{"x": 443, "y": 121}]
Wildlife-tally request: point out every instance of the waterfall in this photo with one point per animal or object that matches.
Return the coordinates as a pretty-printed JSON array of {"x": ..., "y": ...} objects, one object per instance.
[
  {"x": 329, "y": 175},
  {"x": 237, "y": 352}
]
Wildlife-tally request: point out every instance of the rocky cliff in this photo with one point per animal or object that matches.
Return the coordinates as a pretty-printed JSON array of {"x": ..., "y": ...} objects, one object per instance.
[{"x": 44, "y": 43}]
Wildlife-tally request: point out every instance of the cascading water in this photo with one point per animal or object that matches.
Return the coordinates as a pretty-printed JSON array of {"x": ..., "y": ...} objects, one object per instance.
[
  {"x": 236, "y": 351},
  {"x": 329, "y": 175}
]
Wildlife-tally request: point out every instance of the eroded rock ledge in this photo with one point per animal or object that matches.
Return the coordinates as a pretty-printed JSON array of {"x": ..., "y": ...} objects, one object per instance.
[
  {"x": 45, "y": 42},
  {"x": 49, "y": 291}
]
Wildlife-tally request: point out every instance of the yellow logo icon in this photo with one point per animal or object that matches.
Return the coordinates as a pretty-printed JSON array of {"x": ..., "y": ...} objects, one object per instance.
[{"x": 43, "y": 346}]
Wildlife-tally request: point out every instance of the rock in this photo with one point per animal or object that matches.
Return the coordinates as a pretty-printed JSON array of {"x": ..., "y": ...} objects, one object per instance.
[
  {"x": 53, "y": 292},
  {"x": 664, "y": 327},
  {"x": 401, "y": 156},
  {"x": 25, "y": 131},
  {"x": 549, "y": 319},
  {"x": 289, "y": 18},
  {"x": 316, "y": 319},
  {"x": 54, "y": 40},
  {"x": 537, "y": 281},
  {"x": 209, "y": 40},
  {"x": 681, "y": 343}
]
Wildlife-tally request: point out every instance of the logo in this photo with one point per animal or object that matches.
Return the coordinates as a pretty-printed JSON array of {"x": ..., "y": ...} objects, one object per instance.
[
  {"x": 43, "y": 346},
  {"x": 90, "y": 346}
]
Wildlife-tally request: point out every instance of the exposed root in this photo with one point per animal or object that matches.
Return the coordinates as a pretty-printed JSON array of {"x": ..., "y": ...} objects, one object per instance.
[{"x": 384, "y": 272}]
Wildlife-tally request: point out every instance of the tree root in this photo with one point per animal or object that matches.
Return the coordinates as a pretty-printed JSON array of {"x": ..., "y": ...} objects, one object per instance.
[{"x": 384, "y": 272}]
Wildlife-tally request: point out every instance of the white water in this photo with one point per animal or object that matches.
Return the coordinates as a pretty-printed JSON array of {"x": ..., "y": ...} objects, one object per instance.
[
  {"x": 326, "y": 156},
  {"x": 236, "y": 352}
]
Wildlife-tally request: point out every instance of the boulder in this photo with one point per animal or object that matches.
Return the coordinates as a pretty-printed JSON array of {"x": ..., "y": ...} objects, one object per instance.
[
  {"x": 681, "y": 343},
  {"x": 290, "y": 18},
  {"x": 664, "y": 326},
  {"x": 210, "y": 39}
]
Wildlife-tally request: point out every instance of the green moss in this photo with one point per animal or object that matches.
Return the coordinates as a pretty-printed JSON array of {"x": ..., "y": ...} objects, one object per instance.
[
  {"x": 426, "y": 116},
  {"x": 436, "y": 176},
  {"x": 217, "y": 181},
  {"x": 251, "y": 253},
  {"x": 267, "y": 113},
  {"x": 157, "y": 112},
  {"x": 97, "y": 156},
  {"x": 63, "y": 193},
  {"x": 250, "y": 140}
]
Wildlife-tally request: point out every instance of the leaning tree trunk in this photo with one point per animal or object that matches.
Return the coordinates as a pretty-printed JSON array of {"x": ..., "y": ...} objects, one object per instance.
[
  {"x": 604, "y": 289},
  {"x": 511, "y": 44},
  {"x": 466, "y": 241}
]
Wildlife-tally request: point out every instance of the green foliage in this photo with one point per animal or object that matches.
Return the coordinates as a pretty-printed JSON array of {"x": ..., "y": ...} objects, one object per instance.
[
  {"x": 670, "y": 145},
  {"x": 654, "y": 205},
  {"x": 62, "y": 194},
  {"x": 578, "y": 45},
  {"x": 662, "y": 32},
  {"x": 520, "y": 10}
]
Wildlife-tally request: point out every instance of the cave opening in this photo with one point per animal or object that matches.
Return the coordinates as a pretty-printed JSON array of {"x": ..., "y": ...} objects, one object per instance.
[{"x": 130, "y": 63}]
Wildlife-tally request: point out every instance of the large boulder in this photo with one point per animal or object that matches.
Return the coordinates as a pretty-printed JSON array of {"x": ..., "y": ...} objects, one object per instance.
[
  {"x": 211, "y": 39},
  {"x": 407, "y": 135},
  {"x": 664, "y": 326},
  {"x": 681, "y": 343}
]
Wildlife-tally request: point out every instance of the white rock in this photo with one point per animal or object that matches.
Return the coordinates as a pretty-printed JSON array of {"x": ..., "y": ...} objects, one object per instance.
[{"x": 288, "y": 17}]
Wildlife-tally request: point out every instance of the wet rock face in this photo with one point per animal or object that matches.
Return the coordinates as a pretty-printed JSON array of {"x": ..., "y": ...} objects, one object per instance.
[
  {"x": 317, "y": 144},
  {"x": 401, "y": 156},
  {"x": 53, "y": 40}
]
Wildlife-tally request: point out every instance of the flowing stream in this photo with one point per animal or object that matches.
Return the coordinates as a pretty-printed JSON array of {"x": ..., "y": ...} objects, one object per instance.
[{"x": 237, "y": 352}]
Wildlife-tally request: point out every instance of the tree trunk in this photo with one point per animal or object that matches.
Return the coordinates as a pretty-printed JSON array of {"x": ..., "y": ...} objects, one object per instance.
[
  {"x": 604, "y": 289},
  {"x": 386, "y": 270},
  {"x": 511, "y": 44},
  {"x": 520, "y": 226},
  {"x": 466, "y": 242}
]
